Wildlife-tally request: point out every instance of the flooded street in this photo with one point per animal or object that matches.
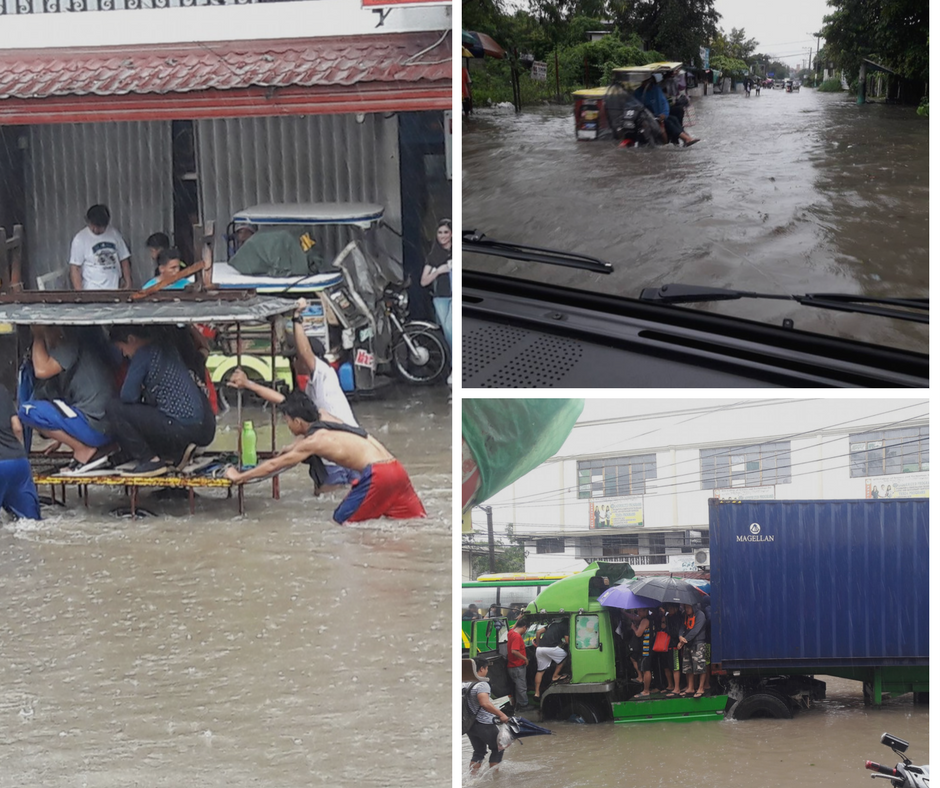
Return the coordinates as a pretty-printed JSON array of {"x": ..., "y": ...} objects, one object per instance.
[
  {"x": 785, "y": 193},
  {"x": 274, "y": 649},
  {"x": 827, "y": 745}
]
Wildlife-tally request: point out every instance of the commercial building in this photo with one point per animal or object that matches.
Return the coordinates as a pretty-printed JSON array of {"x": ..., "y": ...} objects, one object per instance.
[{"x": 633, "y": 479}]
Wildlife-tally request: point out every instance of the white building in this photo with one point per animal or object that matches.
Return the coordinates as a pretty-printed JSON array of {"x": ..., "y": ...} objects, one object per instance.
[{"x": 633, "y": 479}]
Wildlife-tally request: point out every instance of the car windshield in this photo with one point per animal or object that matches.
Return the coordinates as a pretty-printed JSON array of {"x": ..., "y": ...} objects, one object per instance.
[{"x": 790, "y": 191}]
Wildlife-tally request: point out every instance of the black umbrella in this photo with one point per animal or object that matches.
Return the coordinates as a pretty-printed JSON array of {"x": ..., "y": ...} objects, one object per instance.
[
  {"x": 520, "y": 727},
  {"x": 672, "y": 590}
]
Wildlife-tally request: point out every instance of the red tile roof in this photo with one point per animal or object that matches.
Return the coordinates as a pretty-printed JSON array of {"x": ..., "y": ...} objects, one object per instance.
[{"x": 374, "y": 61}]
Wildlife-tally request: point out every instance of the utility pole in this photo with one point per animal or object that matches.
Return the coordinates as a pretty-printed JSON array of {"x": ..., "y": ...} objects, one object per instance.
[
  {"x": 815, "y": 67},
  {"x": 489, "y": 531}
]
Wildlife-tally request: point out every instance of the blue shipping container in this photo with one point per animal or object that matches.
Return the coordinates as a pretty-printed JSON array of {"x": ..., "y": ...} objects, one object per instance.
[{"x": 811, "y": 584}]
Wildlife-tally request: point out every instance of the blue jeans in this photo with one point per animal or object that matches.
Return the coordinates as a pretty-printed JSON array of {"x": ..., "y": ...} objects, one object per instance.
[
  {"x": 442, "y": 310},
  {"x": 17, "y": 491}
]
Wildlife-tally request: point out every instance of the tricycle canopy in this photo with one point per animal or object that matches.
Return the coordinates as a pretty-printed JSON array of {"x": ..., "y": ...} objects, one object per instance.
[
  {"x": 361, "y": 214},
  {"x": 116, "y": 308}
]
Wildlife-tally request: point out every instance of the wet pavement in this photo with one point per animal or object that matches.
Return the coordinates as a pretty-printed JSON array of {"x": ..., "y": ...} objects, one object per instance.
[
  {"x": 274, "y": 649},
  {"x": 785, "y": 193},
  {"x": 826, "y": 745}
]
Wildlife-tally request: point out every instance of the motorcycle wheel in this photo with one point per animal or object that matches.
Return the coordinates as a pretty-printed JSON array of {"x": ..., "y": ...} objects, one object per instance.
[{"x": 429, "y": 365}]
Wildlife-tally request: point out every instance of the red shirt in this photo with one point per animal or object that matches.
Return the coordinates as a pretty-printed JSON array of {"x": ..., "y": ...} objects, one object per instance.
[{"x": 515, "y": 643}]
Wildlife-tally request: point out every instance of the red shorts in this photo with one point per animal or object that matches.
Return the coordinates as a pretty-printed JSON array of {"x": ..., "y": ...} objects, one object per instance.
[{"x": 383, "y": 490}]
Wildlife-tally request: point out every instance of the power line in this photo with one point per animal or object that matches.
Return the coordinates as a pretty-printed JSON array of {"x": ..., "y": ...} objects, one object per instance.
[
  {"x": 736, "y": 449},
  {"x": 659, "y": 488}
]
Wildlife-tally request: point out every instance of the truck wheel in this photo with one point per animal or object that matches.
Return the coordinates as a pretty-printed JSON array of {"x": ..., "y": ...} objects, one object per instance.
[
  {"x": 584, "y": 712},
  {"x": 761, "y": 704}
]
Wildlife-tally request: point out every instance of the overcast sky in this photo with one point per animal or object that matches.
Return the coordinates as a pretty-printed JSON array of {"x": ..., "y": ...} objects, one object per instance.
[{"x": 781, "y": 29}]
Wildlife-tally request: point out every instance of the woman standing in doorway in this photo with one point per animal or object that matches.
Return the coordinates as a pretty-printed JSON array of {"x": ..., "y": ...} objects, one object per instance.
[{"x": 437, "y": 276}]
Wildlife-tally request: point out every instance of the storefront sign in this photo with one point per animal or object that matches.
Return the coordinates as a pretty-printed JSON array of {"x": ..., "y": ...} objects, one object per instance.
[
  {"x": 615, "y": 513},
  {"x": 901, "y": 485},
  {"x": 376, "y": 3}
]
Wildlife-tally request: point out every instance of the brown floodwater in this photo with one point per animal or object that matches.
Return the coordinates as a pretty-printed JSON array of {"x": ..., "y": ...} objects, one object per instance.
[
  {"x": 823, "y": 746},
  {"x": 273, "y": 649},
  {"x": 785, "y": 193}
]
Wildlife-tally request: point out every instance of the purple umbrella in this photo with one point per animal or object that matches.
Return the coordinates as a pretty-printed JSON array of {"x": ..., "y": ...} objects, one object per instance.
[{"x": 621, "y": 596}]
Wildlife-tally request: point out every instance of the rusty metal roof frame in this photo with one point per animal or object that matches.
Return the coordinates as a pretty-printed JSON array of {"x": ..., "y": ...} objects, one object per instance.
[{"x": 115, "y": 307}]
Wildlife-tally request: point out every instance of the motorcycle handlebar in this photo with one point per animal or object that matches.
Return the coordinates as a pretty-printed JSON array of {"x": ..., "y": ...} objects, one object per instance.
[{"x": 877, "y": 767}]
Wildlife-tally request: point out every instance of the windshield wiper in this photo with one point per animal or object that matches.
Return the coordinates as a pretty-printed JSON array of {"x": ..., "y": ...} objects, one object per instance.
[
  {"x": 843, "y": 302},
  {"x": 480, "y": 244}
]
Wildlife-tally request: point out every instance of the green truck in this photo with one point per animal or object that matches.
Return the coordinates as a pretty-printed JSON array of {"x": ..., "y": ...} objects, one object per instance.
[{"x": 799, "y": 589}]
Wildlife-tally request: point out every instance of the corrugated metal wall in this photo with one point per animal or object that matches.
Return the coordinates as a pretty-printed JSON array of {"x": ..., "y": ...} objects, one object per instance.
[
  {"x": 127, "y": 166},
  {"x": 321, "y": 158}
]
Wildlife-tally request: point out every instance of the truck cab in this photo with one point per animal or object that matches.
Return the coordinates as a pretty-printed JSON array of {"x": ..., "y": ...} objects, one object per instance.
[{"x": 599, "y": 688}]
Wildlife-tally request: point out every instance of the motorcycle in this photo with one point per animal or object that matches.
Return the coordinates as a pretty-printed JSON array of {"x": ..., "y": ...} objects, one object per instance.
[
  {"x": 371, "y": 304},
  {"x": 904, "y": 774}
]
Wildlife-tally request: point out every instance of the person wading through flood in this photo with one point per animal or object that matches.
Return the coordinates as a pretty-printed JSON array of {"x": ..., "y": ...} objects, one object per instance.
[{"x": 383, "y": 488}]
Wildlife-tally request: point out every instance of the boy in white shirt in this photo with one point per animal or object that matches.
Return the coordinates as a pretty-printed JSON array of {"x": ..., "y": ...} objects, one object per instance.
[{"x": 99, "y": 258}]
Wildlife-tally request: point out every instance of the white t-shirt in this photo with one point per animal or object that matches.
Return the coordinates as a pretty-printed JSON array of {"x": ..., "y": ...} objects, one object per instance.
[
  {"x": 99, "y": 257},
  {"x": 326, "y": 393}
]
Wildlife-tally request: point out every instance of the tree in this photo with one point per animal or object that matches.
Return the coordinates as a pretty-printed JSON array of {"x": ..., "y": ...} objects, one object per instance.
[
  {"x": 740, "y": 47},
  {"x": 892, "y": 32},
  {"x": 677, "y": 28}
]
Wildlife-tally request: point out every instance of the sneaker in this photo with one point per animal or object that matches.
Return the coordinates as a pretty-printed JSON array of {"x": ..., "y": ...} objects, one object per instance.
[
  {"x": 70, "y": 469},
  {"x": 147, "y": 468},
  {"x": 187, "y": 456},
  {"x": 99, "y": 459}
]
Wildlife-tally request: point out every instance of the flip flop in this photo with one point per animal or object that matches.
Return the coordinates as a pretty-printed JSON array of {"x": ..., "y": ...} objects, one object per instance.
[
  {"x": 672, "y": 694},
  {"x": 698, "y": 694}
]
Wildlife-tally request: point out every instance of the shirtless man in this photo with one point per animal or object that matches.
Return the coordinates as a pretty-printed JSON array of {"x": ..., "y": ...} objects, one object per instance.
[
  {"x": 323, "y": 389},
  {"x": 383, "y": 487}
]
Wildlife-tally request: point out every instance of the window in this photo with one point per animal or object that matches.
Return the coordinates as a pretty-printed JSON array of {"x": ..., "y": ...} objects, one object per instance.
[
  {"x": 587, "y": 632},
  {"x": 626, "y": 544},
  {"x": 615, "y": 476},
  {"x": 745, "y": 466},
  {"x": 550, "y": 545},
  {"x": 889, "y": 451}
]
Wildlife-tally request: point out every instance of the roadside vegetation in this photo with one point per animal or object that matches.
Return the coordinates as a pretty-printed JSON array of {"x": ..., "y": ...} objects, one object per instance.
[
  {"x": 892, "y": 32},
  {"x": 832, "y": 85}
]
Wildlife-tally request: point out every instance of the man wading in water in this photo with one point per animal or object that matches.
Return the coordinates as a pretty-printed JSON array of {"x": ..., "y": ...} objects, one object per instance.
[{"x": 383, "y": 488}]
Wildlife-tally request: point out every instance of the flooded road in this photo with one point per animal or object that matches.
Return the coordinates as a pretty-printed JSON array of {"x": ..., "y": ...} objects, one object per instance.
[
  {"x": 785, "y": 193},
  {"x": 274, "y": 649},
  {"x": 827, "y": 745}
]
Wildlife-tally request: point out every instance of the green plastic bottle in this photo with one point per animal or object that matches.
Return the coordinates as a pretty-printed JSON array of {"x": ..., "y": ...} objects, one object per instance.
[{"x": 249, "y": 446}]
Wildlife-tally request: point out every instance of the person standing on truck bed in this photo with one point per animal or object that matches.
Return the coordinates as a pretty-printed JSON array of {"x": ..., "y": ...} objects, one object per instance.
[
  {"x": 99, "y": 258},
  {"x": 549, "y": 648},
  {"x": 641, "y": 630},
  {"x": 692, "y": 643},
  {"x": 483, "y": 732},
  {"x": 516, "y": 662}
]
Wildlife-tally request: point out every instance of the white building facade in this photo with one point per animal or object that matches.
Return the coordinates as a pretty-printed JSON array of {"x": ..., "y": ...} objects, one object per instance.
[{"x": 633, "y": 479}]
